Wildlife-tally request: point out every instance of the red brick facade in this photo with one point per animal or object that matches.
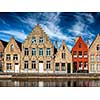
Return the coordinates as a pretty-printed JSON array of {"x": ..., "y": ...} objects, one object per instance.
[{"x": 80, "y": 56}]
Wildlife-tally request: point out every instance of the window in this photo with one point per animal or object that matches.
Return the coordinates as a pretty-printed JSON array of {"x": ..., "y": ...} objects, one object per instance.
[
  {"x": 80, "y": 64},
  {"x": 33, "y": 40},
  {"x": 26, "y": 51},
  {"x": 33, "y": 64},
  {"x": 8, "y": 57},
  {"x": 8, "y": 65},
  {"x": 80, "y": 45},
  {"x": 98, "y": 67},
  {"x": 26, "y": 64},
  {"x": 80, "y": 54},
  {"x": 74, "y": 53},
  {"x": 12, "y": 47},
  {"x": 63, "y": 55},
  {"x": 33, "y": 51},
  {"x": 15, "y": 57},
  {"x": 63, "y": 68},
  {"x": 57, "y": 67},
  {"x": 92, "y": 57},
  {"x": 63, "y": 48},
  {"x": 98, "y": 58},
  {"x": 41, "y": 40},
  {"x": 48, "y": 52},
  {"x": 92, "y": 67},
  {"x": 1, "y": 54},
  {"x": 85, "y": 64},
  {"x": 85, "y": 54},
  {"x": 98, "y": 47},
  {"x": 41, "y": 51},
  {"x": 48, "y": 65}
]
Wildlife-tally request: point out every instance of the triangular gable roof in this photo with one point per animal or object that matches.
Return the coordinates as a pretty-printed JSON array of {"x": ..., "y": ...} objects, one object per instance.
[
  {"x": 94, "y": 40},
  {"x": 38, "y": 26},
  {"x": 80, "y": 39},
  {"x": 17, "y": 42},
  {"x": 63, "y": 44}
]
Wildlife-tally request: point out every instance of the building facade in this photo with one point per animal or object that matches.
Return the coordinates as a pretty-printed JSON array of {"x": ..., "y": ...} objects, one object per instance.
[
  {"x": 2, "y": 47},
  {"x": 12, "y": 57},
  {"x": 80, "y": 56},
  {"x": 94, "y": 55},
  {"x": 63, "y": 60},
  {"x": 37, "y": 53}
]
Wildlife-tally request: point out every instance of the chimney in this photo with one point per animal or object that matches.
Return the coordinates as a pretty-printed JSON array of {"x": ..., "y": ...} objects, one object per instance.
[
  {"x": 56, "y": 44},
  {"x": 88, "y": 43},
  {"x": 76, "y": 39}
]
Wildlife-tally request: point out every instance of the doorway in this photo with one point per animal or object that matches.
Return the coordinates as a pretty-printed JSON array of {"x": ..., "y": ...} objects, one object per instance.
[
  {"x": 16, "y": 68},
  {"x": 69, "y": 68},
  {"x": 40, "y": 66},
  {"x": 74, "y": 67}
]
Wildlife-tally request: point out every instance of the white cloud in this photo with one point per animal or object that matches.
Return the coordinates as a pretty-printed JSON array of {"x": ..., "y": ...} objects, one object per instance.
[
  {"x": 80, "y": 28},
  {"x": 4, "y": 22},
  {"x": 16, "y": 34}
]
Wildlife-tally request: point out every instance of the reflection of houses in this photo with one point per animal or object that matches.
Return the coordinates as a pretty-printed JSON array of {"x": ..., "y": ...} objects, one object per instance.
[
  {"x": 94, "y": 55},
  {"x": 12, "y": 56},
  {"x": 37, "y": 52},
  {"x": 2, "y": 47},
  {"x": 80, "y": 56},
  {"x": 63, "y": 60}
]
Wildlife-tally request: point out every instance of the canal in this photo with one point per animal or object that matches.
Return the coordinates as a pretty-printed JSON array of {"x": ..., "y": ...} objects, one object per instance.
[{"x": 49, "y": 83}]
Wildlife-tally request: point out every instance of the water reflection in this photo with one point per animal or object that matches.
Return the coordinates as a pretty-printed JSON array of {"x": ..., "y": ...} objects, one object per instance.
[{"x": 50, "y": 83}]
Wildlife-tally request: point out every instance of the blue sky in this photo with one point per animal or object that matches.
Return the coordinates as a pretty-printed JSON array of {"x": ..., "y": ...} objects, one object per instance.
[{"x": 58, "y": 25}]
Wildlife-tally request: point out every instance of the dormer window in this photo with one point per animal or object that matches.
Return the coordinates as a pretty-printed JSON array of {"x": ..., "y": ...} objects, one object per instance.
[
  {"x": 12, "y": 47},
  {"x": 41, "y": 40}
]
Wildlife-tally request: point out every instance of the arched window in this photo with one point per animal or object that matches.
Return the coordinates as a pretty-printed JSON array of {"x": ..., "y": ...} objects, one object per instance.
[
  {"x": 12, "y": 47},
  {"x": 98, "y": 47}
]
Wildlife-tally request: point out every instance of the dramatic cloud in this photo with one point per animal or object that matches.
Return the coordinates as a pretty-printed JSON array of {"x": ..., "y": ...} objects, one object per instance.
[
  {"x": 81, "y": 25},
  {"x": 16, "y": 34},
  {"x": 58, "y": 26}
]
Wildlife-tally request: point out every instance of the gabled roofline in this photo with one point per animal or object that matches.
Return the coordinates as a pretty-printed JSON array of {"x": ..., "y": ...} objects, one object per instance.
[{"x": 94, "y": 40}]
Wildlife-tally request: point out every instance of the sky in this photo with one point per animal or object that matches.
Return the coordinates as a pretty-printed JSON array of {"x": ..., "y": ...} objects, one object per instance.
[{"x": 58, "y": 26}]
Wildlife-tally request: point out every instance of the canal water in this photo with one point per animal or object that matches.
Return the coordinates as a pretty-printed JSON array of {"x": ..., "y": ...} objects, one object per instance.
[{"x": 50, "y": 83}]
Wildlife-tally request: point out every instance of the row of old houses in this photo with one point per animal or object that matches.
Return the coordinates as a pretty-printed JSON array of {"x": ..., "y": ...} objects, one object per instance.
[{"x": 37, "y": 54}]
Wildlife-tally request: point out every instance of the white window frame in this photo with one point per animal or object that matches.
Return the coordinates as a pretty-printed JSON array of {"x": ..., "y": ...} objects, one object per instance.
[
  {"x": 40, "y": 51},
  {"x": 33, "y": 51},
  {"x": 48, "y": 51},
  {"x": 33, "y": 39}
]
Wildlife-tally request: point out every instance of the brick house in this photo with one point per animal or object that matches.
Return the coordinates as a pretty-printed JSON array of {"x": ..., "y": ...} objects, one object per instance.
[
  {"x": 12, "y": 56},
  {"x": 37, "y": 52},
  {"x": 80, "y": 56},
  {"x": 94, "y": 55}
]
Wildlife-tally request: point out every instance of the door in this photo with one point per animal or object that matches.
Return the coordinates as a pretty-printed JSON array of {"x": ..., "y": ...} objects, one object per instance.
[
  {"x": 41, "y": 66},
  {"x": 69, "y": 68},
  {"x": 75, "y": 67},
  {"x": 16, "y": 68},
  {"x": 0, "y": 66}
]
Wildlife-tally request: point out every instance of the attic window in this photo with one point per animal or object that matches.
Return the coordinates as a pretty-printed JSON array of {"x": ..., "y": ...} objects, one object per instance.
[
  {"x": 63, "y": 48},
  {"x": 12, "y": 47},
  {"x": 80, "y": 45},
  {"x": 98, "y": 47}
]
